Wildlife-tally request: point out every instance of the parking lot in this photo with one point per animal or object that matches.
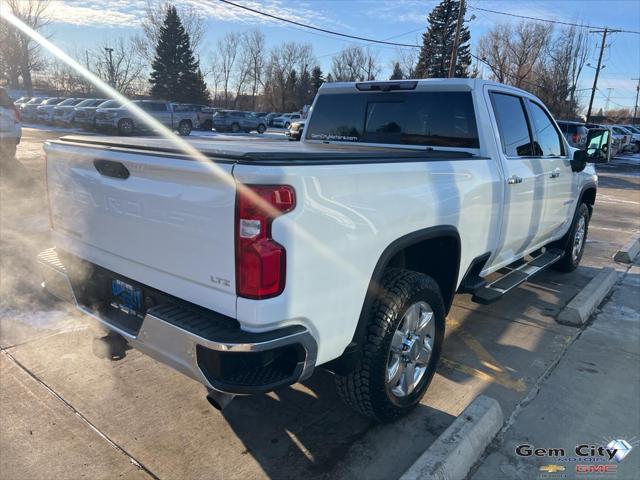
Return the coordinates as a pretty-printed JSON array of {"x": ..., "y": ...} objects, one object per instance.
[{"x": 88, "y": 406}]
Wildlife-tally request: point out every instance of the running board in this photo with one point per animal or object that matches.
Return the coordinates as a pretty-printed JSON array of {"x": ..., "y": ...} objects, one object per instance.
[{"x": 515, "y": 277}]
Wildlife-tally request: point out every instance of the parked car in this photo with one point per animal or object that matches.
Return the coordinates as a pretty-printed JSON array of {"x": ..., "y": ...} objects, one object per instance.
[
  {"x": 10, "y": 126},
  {"x": 29, "y": 109},
  {"x": 204, "y": 114},
  {"x": 250, "y": 275},
  {"x": 126, "y": 122},
  {"x": 623, "y": 134},
  {"x": 269, "y": 118},
  {"x": 64, "y": 112},
  {"x": 285, "y": 120},
  {"x": 616, "y": 140},
  {"x": 85, "y": 114},
  {"x": 634, "y": 142},
  {"x": 236, "y": 121},
  {"x": 44, "y": 111},
  {"x": 295, "y": 130},
  {"x": 22, "y": 100},
  {"x": 574, "y": 132}
]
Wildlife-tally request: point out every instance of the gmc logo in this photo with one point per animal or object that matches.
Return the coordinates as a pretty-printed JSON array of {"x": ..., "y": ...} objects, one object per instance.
[{"x": 596, "y": 468}]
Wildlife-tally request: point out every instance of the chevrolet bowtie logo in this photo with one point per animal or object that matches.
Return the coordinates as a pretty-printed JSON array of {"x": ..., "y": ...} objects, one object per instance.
[{"x": 552, "y": 468}]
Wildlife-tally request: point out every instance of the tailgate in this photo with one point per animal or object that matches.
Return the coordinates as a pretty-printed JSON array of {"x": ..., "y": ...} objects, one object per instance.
[{"x": 169, "y": 224}]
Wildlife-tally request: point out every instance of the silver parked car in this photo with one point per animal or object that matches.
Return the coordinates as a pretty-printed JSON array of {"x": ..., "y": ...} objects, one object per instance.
[
  {"x": 44, "y": 112},
  {"x": 85, "y": 115},
  {"x": 29, "y": 109},
  {"x": 285, "y": 121},
  {"x": 236, "y": 121},
  {"x": 126, "y": 122},
  {"x": 63, "y": 112}
]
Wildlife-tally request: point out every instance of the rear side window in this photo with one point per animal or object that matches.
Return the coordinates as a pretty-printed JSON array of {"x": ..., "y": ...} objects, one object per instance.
[
  {"x": 548, "y": 138},
  {"x": 439, "y": 119},
  {"x": 512, "y": 125}
]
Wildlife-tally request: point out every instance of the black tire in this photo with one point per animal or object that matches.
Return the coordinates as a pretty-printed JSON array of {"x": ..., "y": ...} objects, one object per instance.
[
  {"x": 365, "y": 389},
  {"x": 207, "y": 125},
  {"x": 184, "y": 128},
  {"x": 261, "y": 128},
  {"x": 125, "y": 126},
  {"x": 235, "y": 128},
  {"x": 571, "y": 259}
]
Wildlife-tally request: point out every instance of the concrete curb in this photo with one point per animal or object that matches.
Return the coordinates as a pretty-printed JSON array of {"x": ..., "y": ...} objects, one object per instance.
[
  {"x": 454, "y": 452},
  {"x": 578, "y": 311},
  {"x": 629, "y": 252}
]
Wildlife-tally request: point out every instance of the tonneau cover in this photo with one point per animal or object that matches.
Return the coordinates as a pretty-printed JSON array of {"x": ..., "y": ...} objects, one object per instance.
[{"x": 263, "y": 149}]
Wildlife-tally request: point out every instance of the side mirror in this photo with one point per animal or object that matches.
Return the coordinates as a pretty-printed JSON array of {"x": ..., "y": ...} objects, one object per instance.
[{"x": 597, "y": 149}]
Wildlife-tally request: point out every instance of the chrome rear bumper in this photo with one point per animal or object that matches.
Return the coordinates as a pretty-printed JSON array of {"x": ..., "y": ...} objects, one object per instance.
[{"x": 202, "y": 344}]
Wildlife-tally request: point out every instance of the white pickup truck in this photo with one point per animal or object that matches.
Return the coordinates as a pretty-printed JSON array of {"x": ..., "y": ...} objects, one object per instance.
[{"x": 255, "y": 262}]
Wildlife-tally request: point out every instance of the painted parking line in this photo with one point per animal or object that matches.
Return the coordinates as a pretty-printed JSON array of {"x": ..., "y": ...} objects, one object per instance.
[{"x": 496, "y": 374}]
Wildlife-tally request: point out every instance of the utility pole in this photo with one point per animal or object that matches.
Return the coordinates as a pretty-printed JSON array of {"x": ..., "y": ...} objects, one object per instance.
[
  {"x": 111, "y": 73},
  {"x": 606, "y": 104},
  {"x": 635, "y": 108},
  {"x": 598, "y": 68},
  {"x": 454, "y": 50}
]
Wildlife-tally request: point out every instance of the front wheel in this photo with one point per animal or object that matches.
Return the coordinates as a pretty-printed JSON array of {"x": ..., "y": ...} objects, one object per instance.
[
  {"x": 575, "y": 241},
  {"x": 235, "y": 128},
  {"x": 401, "y": 348},
  {"x": 261, "y": 128}
]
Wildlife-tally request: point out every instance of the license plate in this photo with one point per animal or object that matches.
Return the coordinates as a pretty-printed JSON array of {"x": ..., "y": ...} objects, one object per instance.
[{"x": 125, "y": 296}]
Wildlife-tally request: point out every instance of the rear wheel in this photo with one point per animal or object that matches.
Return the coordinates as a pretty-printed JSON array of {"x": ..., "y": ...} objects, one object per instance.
[
  {"x": 184, "y": 128},
  {"x": 401, "y": 347},
  {"x": 574, "y": 241},
  {"x": 125, "y": 126},
  {"x": 235, "y": 128},
  {"x": 207, "y": 125},
  {"x": 261, "y": 128}
]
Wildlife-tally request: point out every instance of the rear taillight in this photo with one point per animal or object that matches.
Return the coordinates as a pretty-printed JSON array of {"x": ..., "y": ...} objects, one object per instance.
[
  {"x": 575, "y": 138},
  {"x": 16, "y": 113},
  {"x": 260, "y": 261}
]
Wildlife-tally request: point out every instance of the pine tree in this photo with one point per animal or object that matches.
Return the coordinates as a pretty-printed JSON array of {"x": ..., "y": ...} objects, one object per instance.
[
  {"x": 175, "y": 74},
  {"x": 304, "y": 93},
  {"x": 397, "y": 73},
  {"x": 317, "y": 79},
  {"x": 435, "y": 55}
]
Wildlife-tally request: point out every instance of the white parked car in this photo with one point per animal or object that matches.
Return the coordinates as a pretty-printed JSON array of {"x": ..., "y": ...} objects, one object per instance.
[
  {"x": 44, "y": 111},
  {"x": 10, "y": 126},
  {"x": 284, "y": 121},
  {"x": 253, "y": 263}
]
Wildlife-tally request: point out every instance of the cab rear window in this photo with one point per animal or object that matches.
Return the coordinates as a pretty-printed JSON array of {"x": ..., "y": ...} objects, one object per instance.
[{"x": 438, "y": 119}]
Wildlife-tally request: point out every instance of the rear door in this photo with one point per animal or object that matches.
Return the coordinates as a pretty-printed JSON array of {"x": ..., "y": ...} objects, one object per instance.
[
  {"x": 525, "y": 176},
  {"x": 551, "y": 150}
]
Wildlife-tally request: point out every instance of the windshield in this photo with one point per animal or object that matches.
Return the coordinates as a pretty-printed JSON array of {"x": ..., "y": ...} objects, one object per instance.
[
  {"x": 52, "y": 101},
  {"x": 35, "y": 101},
  {"x": 109, "y": 104},
  {"x": 438, "y": 119},
  {"x": 86, "y": 103}
]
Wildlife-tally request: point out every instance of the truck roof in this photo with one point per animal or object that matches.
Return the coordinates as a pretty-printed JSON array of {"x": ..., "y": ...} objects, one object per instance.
[{"x": 423, "y": 84}]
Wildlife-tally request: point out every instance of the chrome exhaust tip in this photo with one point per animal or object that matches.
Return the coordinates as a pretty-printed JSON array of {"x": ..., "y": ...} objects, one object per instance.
[{"x": 219, "y": 400}]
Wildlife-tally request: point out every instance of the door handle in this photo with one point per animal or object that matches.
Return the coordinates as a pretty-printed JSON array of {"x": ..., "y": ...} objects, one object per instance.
[
  {"x": 555, "y": 173},
  {"x": 514, "y": 179}
]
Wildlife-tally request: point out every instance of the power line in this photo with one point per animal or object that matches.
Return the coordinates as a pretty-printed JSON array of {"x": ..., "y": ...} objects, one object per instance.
[
  {"x": 557, "y": 22},
  {"x": 293, "y": 22}
]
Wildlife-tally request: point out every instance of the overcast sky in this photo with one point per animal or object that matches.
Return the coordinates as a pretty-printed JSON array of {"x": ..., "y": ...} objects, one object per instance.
[{"x": 81, "y": 24}]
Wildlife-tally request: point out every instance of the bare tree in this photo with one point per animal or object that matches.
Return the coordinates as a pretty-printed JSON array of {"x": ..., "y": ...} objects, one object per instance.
[
  {"x": 280, "y": 72},
  {"x": 118, "y": 64},
  {"x": 254, "y": 46},
  {"x": 227, "y": 60},
  {"x": 354, "y": 64},
  {"x": 155, "y": 11},
  {"x": 22, "y": 55},
  {"x": 407, "y": 58}
]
